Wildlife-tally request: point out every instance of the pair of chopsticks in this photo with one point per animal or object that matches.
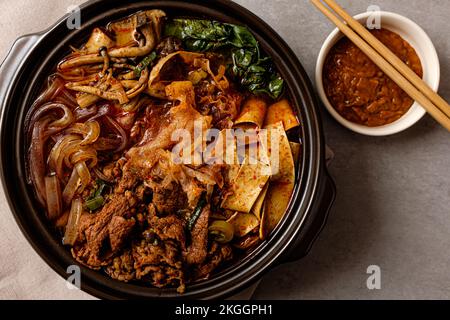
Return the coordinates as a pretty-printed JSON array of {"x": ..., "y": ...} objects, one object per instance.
[{"x": 388, "y": 62}]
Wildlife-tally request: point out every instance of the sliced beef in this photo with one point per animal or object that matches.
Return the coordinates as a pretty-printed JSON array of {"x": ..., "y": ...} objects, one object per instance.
[
  {"x": 197, "y": 250},
  {"x": 170, "y": 227},
  {"x": 102, "y": 240},
  {"x": 169, "y": 199},
  {"x": 122, "y": 267},
  {"x": 163, "y": 276},
  {"x": 159, "y": 263},
  {"x": 155, "y": 253},
  {"x": 119, "y": 228},
  {"x": 127, "y": 181},
  {"x": 157, "y": 257}
]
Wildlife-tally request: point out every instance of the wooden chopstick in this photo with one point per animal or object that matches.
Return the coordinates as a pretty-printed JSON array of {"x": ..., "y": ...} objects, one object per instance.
[
  {"x": 386, "y": 67},
  {"x": 390, "y": 57}
]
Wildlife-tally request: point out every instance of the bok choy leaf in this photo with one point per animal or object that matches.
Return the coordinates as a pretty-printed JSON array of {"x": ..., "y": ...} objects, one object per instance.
[{"x": 254, "y": 71}]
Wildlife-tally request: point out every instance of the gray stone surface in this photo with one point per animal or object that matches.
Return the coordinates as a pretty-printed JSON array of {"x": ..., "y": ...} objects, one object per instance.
[{"x": 392, "y": 207}]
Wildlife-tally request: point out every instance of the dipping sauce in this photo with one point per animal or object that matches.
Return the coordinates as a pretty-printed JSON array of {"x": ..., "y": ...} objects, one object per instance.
[{"x": 359, "y": 90}]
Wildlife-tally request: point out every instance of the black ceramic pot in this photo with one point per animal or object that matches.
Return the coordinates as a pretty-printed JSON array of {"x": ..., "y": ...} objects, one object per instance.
[{"x": 22, "y": 75}]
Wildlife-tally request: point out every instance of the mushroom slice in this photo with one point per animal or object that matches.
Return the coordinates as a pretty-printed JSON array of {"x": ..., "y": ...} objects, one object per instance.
[
  {"x": 98, "y": 39},
  {"x": 115, "y": 93},
  {"x": 125, "y": 30},
  {"x": 151, "y": 30},
  {"x": 80, "y": 60},
  {"x": 140, "y": 86}
]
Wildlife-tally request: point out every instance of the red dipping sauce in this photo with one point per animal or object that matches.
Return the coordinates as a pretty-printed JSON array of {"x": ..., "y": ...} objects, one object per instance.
[{"x": 359, "y": 90}]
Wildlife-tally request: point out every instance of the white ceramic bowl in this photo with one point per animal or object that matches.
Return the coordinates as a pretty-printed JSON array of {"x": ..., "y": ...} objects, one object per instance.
[{"x": 418, "y": 39}]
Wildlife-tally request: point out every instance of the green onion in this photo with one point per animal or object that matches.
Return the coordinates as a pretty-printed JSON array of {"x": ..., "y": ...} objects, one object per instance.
[
  {"x": 94, "y": 203},
  {"x": 96, "y": 200},
  {"x": 197, "y": 211},
  {"x": 101, "y": 187},
  {"x": 144, "y": 63}
]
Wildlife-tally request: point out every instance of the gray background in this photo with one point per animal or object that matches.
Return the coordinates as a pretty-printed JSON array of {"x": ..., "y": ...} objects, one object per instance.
[{"x": 392, "y": 205}]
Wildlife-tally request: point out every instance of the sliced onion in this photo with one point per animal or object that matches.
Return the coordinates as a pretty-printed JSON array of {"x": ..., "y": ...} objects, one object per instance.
[
  {"x": 101, "y": 175},
  {"x": 66, "y": 101},
  {"x": 102, "y": 111},
  {"x": 71, "y": 187},
  {"x": 85, "y": 155},
  {"x": 121, "y": 132},
  {"x": 84, "y": 173},
  {"x": 58, "y": 152},
  {"x": 85, "y": 113},
  {"x": 77, "y": 128},
  {"x": 71, "y": 233},
  {"x": 53, "y": 194},
  {"x": 66, "y": 119},
  {"x": 93, "y": 132},
  {"x": 56, "y": 125},
  {"x": 126, "y": 120},
  {"x": 55, "y": 84},
  {"x": 65, "y": 97},
  {"x": 36, "y": 159},
  {"x": 65, "y": 93}
]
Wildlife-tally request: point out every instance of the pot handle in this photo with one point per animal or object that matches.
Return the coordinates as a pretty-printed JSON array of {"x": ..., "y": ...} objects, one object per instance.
[
  {"x": 314, "y": 224},
  {"x": 13, "y": 60}
]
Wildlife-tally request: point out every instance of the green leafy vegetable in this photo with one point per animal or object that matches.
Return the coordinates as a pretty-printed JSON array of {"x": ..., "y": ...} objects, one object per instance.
[
  {"x": 254, "y": 71},
  {"x": 145, "y": 63},
  {"x": 197, "y": 211}
]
